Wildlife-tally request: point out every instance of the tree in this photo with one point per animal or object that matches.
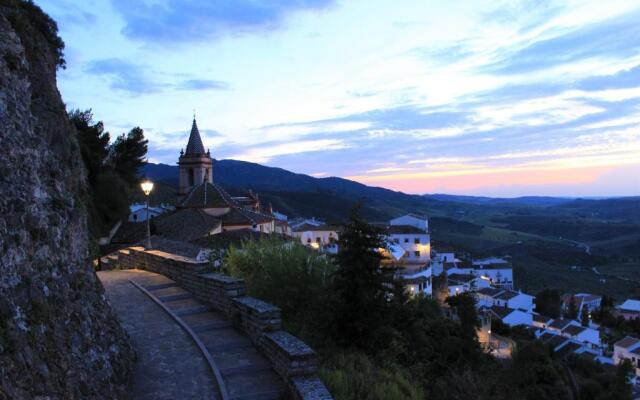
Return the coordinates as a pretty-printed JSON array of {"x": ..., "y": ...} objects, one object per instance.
[
  {"x": 127, "y": 155},
  {"x": 112, "y": 170},
  {"x": 360, "y": 289},
  {"x": 584, "y": 317},
  {"x": 465, "y": 307},
  {"x": 572, "y": 309},
  {"x": 548, "y": 303}
]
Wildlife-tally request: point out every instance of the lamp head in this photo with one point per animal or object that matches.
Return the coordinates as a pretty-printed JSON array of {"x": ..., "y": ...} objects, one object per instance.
[{"x": 147, "y": 187}]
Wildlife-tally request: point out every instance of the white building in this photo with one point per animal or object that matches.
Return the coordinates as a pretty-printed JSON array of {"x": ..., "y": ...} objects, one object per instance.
[
  {"x": 138, "y": 212},
  {"x": 510, "y": 316},
  {"x": 418, "y": 221},
  {"x": 414, "y": 242},
  {"x": 319, "y": 237},
  {"x": 584, "y": 302},
  {"x": 582, "y": 334},
  {"x": 491, "y": 296},
  {"x": 629, "y": 349},
  {"x": 497, "y": 270},
  {"x": 630, "y": 309}
]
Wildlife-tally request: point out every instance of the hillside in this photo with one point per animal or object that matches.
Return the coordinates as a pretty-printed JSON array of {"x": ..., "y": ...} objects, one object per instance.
[{"x": 546, "y": 237}]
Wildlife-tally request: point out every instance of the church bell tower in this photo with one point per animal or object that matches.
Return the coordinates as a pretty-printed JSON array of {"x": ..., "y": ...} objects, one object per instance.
[{"x": 194, "y": 164}]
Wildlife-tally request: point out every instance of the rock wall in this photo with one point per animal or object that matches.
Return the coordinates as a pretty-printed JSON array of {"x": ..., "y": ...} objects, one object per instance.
[{"x": 59, "y": 338}]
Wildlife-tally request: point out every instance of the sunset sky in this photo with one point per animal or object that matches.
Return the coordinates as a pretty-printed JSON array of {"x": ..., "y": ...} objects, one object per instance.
[{"x": 483, "y": 98}]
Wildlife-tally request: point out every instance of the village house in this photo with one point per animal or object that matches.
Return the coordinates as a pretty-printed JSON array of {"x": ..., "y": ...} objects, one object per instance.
[
  {"x": 583, "y": 301},
  {"x": 492, "y": 296},
  {"x": 138, "y": 212},
  {"x": 628, "y": 349},
  {"x": 509, "y": 316},
  {"x": 630, "y": 309},
  {"x": 497, "y": 270},
  {"x": 320, "y": 237}
]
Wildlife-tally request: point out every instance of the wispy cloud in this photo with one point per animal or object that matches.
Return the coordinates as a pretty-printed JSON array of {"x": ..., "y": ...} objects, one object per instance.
[
  {"x": 198, "y": 20},
  {"x": 136, "y": 79},
  {"x": 264, "y": 154}
]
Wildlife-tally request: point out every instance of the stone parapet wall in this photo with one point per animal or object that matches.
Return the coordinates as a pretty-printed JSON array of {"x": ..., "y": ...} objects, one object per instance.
[{"x": 290, "y": 357}]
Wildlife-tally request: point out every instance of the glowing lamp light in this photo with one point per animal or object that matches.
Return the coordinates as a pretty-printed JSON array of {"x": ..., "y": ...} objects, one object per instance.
[{"x": 147, "y": 187}]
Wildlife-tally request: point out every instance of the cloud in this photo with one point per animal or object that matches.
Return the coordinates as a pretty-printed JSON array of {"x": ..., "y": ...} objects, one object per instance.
[
  {"x": 260, "y": 154},
  {"x": 136, "y": 79},
  {"x": 202, "y": 84},
  {"x": 124, "y": 75},
  {"x": 616, "y": 37},
  {"x": 174, "y": 21}
]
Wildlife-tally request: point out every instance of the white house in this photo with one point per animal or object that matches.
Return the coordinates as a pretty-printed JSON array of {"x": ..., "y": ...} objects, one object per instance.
[
  {"x": 559, "y": 324},
  {"x": 417, "y": 281},
  {"x": 497, "y": 270},
  {"x": 461, "y": 283},
  {"x": 491, "y": 296},
  {"x": 319, "y": 237},
  {"x": 628, "y": 348},
  {"x": 541, "y": 321},
  {"x": 584, "y": 302},
  {"x": 630, "y": 309},
  {"x": 510, "y": 316},
  {"x": 588, "y": 336},
  {"x": 138, "y": 212},
  {"x": 418, "y": 221},
  {"x": 415, "y": 243}
]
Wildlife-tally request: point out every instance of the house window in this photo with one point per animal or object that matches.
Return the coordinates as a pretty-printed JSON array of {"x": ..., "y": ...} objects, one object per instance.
[
  {"x": 308, "y": 240},
  {"x": 416, "y": 240},
  {"x": 318, "y": 239},
  {"x": 416, "y": 253},
  {"x": 135, "y": 217},
  {"x": 406, "y": 240}
]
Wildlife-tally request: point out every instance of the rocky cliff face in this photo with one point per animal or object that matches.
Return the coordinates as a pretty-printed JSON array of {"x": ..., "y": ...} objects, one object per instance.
[{"x": 58, "y": 336}]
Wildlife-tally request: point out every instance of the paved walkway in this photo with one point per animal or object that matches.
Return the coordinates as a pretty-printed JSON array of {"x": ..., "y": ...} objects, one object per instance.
[{"x": 170, "y": 365}]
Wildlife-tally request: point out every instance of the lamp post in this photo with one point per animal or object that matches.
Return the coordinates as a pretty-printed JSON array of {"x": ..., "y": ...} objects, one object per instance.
[{"x": 147, "y": 187}]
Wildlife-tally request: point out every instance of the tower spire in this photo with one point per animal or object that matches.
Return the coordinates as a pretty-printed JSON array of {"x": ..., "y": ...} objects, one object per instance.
[{"x": 194, "y": 146}]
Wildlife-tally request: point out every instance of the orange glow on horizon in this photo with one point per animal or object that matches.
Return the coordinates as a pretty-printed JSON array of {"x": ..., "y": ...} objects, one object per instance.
[{"x": 483, "y": 178}]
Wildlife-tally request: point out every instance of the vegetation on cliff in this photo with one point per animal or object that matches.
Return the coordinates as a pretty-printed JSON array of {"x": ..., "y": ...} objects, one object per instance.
[{"x": 112, "y": 169}]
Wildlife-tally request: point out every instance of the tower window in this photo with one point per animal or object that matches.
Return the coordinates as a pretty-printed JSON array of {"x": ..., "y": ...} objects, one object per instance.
[{"x": 191, "y": 177}]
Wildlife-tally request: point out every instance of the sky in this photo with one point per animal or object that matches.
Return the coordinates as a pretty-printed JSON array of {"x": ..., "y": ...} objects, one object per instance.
[{"x": 497, "y": 98}]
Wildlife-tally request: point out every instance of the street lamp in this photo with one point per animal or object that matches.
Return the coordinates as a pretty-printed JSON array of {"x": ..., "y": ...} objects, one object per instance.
[{"x": 147, "y": 187}]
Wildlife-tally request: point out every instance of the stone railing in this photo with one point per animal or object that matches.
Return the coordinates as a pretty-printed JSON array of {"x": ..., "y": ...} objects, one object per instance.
[{"x": 290, "y": 357}]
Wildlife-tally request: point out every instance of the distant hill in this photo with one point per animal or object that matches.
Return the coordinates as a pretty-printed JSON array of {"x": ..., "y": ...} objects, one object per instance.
[
  {"x": 525, "y": 200},
  {"x": 545, "y": 236}
]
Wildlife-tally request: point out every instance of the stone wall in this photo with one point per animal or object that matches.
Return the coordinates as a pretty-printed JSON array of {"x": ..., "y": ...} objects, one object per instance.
[
  {"x": 291, "y": 358},
  {"x": 59, "y": 338}
]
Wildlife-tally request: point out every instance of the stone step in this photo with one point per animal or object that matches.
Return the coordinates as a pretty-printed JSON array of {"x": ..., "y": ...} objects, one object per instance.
[
  {"x": 240, "y": 344},
  {"x": 175, "y": 297},
  {"x": 229, "y": 358},
  {"x": 190, "y": 311},
  {"x": 161, "y": 286},
  {"x": 277, "y": 394},
  {"x": 177, "y": 305},
  {"x": 168, "y": 291},
  {"x": 222, "y": 336},
  {"x": 246, "y": 369},
  {"x": 203, "y": 318},
  {"x": 263, "y": 385},
  {"x": 211, "y": 326}
]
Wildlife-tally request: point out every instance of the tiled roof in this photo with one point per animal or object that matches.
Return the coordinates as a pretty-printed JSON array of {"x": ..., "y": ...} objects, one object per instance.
[
  {"x": 186, "y": 224},
  {"x": 461, "y": 278},
  {"x": 240, "y": 216},
  {"x": 627, "y": 342},
  {"x": 560, "y": 323},
  {"x": 224, "y": 239},
  {"x": 207, "y": 195},
  {"x": 194, "y": 146},
  {"x": 489, "y": 291},
  {"x": 404, "y": 229},
  {"x": 569, "y": 348},
  {"x": 501, "y": 311},
  {"x": 556, "y": 340},
  {"x": 507, "y": 295},
  {"x": 574, "y": 330},
  {"x": 541, "y": 318},
  {"x": 178, "y": 247},
  {"x": 315, "y": 228}
]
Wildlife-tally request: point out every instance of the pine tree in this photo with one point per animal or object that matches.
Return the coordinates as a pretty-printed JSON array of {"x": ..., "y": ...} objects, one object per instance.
[{"x": 359, "y": 286}]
